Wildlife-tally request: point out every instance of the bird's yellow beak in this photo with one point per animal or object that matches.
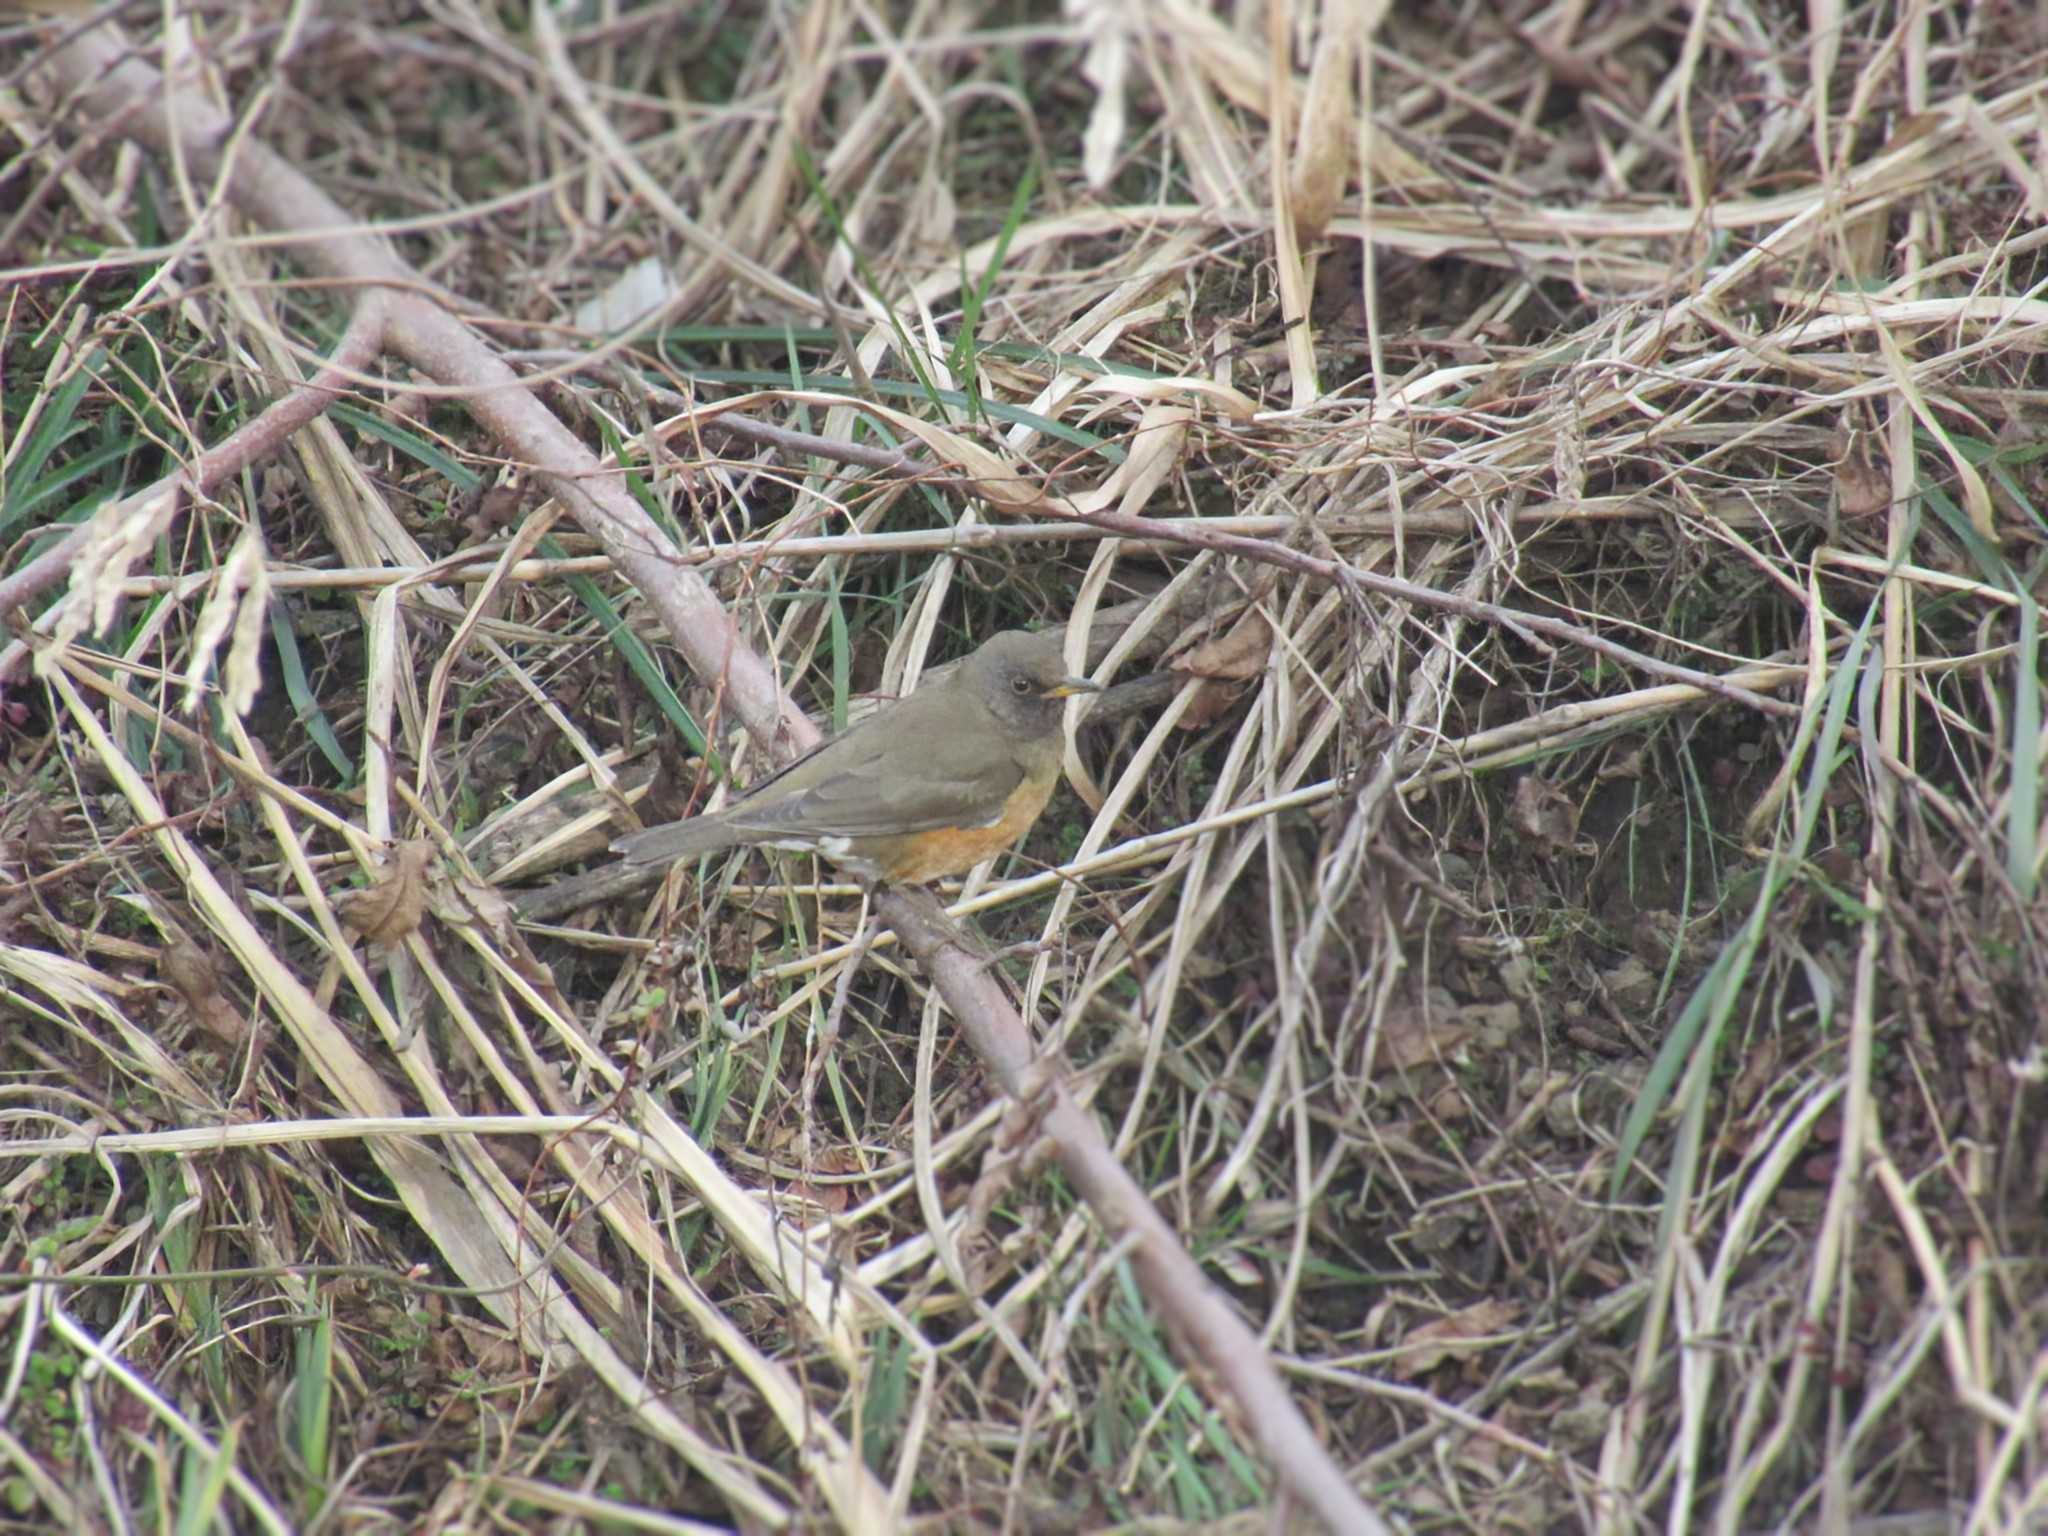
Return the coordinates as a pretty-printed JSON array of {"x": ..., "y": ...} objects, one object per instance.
[{"x": 1067, "y": 687}]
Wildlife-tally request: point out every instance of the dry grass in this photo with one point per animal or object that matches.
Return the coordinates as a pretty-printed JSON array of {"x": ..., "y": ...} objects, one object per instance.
[{"x": 1615, "y": 1112}]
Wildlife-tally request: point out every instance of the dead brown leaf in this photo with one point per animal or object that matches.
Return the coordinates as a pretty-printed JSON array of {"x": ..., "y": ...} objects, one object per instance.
[
  {"x": 191, "y": 970},
  {"x": 386, "y": 912},
  {"x": 1863, "y": 480},
  {"x": 1237, "y": 655},
  {"x": 1544, "y": 814},
  {"x": 1462, "y": 1333},
  {"x": 1415, "y": 1035}
]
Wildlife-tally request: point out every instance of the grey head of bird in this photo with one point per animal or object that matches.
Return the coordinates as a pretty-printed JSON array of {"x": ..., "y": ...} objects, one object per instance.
[{"x": 1023, "y": 680}]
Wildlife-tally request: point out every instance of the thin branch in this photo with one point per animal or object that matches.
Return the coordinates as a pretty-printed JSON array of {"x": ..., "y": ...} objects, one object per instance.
[{"x": 1192, "y": 533}]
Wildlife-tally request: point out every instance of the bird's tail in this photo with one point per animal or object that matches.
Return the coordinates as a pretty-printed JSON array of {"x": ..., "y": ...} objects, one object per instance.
[{"x": 678, "y": 840}]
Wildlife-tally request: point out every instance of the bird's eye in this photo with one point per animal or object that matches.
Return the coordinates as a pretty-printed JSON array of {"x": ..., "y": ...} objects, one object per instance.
[{"x": 1020, "y": 685}]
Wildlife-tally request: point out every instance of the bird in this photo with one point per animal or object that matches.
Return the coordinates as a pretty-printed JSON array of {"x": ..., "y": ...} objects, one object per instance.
[{"x": 926, "y": 787}]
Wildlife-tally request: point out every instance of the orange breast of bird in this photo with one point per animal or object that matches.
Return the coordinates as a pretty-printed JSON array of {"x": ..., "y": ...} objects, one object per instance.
[{"x": 912, "y": 858}]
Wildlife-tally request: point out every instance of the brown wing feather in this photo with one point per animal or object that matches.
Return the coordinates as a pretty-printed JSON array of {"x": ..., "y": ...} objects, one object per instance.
[{"x": 862, "y": 784}]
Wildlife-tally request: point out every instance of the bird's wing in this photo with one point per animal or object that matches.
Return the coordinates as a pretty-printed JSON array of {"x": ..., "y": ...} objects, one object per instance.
[
  {"x": 861, "y": 784},
  {"x": 865, "y": 785}
]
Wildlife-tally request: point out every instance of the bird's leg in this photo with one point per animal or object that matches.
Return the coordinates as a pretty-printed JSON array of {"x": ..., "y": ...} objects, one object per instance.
[{"x": 864, "y": 940}]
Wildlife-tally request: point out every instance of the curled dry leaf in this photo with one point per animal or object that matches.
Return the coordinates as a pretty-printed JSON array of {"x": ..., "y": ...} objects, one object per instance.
[
  {"x": 190, "y": 969},
  {"x": 1544, "y": 814},
  {"x": 1155, "y": 453},
  {"x": 1863, "y": 477},
  {"x": 635, "y": 293},
  {"x": 1416, "y": 1034},
  {"x": 457, "y": 901},
  {"x": 1624, "y": 762},
  {"x": 386, "y": 912},
  {"x": 1235, "y": 656},
  {"x": 1464, "y": 1332},
  {"x": 1632, "y": 987},
  {"x": 806, "y": 1195}
]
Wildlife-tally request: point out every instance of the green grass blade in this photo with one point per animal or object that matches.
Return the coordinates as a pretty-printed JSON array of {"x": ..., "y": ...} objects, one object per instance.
[
  {"x": 53, "y": 486},
  {"x": 1695, "y": 1039},
  {"x": 639, "y": 660},
  {"x": 2023, "y": 801},
  {"x": 305, "y": 701},
  {"x": 204, "y": 1482},
  {"x": 974, "y": 298},
  {"x": 909, "y": 352},
  {"x": 313, "y": 1399},
  {"x": 887, "y": 1403},
  {"x": 57, "y": 425},
  {"x": 409, "y": 443}
]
